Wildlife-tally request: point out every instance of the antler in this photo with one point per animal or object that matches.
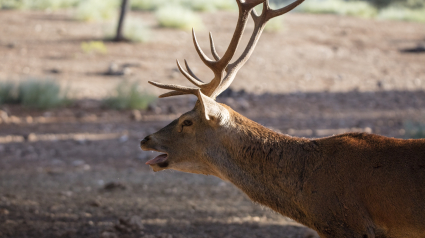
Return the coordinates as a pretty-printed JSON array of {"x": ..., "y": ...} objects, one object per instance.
[{"x": 224, "y": 73}]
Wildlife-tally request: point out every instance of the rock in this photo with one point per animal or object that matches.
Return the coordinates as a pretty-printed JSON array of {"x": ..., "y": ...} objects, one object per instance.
[
  {"x": 113, "y": 68},
  {"x": 112, "y": 186},
  {"x": 127, "y": 225},
  {"x": 94, "y": 203},
  {"x": 4, "y": 212},
  {"x": 55, "y": 71},
  {"x": 108, "y": 234},
  {"x": 155, "y": 109},
  {"x": 123, "y": 138},
  {"x": 171, "y": 110},
  {"x": 78, "y": 163},
  {"x": 30, "y": 137},
  {"x": 29, "y": 119},
  {"x": 136, "y": 115},
  {"x": 14, "y": 119},
  {"x": 3, "y": 115}
]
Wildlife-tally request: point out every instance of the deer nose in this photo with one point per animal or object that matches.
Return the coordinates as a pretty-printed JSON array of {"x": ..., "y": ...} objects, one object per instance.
[{"x": 145, "y": 140}]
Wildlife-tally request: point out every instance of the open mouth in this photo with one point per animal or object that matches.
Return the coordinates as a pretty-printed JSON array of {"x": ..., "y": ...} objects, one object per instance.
[{"x": 160, "y": 160}]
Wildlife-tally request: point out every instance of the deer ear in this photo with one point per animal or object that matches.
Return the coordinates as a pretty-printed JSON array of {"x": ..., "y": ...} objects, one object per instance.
[{"x": 212, "y": 110}]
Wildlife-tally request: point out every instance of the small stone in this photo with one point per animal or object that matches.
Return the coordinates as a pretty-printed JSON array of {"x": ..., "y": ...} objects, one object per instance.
[
  {"x": 123, "y": 138},
  {"x": 55, "y": 71},
  {"x": 113, "y": 68},
  {"x": 91, "y": 223},
  {"x": 4, "y": 212},
  {"x": 136, "y": 115},
  {"x": 108, "y": 234},
  {"x": 126, "y": 71},
  {"x": 67, "y": 193},
  {"x": 155, "y": 109},
  {"x": 4, "y": 115},
  {"x": 171, "y": 110},
  {"x": 31, "y": 137},
  {"x": 29, "y": 119},
  {"x": 94, "y": 203},
  {"x": 14, "y": 119},
  {"x": 112, "y": 186},
  {"x": 78, "y": 163}
]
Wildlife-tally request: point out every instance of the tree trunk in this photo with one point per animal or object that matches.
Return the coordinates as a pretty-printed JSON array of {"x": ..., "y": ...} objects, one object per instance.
[{"x": 124, "y": 8}]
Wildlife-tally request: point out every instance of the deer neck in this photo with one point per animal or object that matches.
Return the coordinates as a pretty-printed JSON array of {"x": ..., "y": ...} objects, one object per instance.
[{"x": 269, "y": 167}]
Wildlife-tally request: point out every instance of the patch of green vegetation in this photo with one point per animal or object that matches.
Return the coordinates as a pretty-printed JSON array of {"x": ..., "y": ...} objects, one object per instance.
[
  {"x": 7, "y": 92},
  {"x": 195, "y": 5},
  {"x": 146, "y": 5},
  {"x": 94, "y": 47},
  {"x": 134, "y": 30},
  {"x": 402, "y": 14},
  {"x": 414, "y": 130},
  {"x": 40, "y": 94},
  {"x": 97, "y": 10},
  {"x": 129, "y": 96},
  {"x": 340, "y": 7},
  {"x": 38, "y": 4},
  {"x": 175, "y": 16},
  {"x": 274, "y": 25}
]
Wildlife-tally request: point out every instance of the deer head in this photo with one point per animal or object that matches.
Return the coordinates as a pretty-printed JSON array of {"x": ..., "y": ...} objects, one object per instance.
[{"x": 193, "y": 143}]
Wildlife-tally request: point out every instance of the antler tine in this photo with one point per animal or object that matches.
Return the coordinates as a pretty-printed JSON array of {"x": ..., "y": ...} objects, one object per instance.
[
  {"x": 191, "y": 72},
  {"x": 207, "y": 61},
  {"x": 173, "y": 93},
  {"x": 213, "y": 51},
  {"x": 220, "y": 82},
  {"x": 174, "y": 87},
  {"x": 260, "y": 21},
  {"x": 191, "y": 77},
  {"x": 281, "y": 11},
  {"x": 219, "y": 66}
]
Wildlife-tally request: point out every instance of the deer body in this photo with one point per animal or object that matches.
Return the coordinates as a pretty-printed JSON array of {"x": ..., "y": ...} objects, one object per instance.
[
  {"x": 350, "y": 185},
  {"x": 363, "y": 184}
]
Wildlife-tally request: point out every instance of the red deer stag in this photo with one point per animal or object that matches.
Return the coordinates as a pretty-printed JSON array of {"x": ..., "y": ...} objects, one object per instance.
[{"x": 350, "y": 185}]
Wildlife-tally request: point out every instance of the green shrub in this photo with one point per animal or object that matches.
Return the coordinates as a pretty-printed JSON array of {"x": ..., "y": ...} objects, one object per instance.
[
  {"x": 146, "y": 5},
  {"x": 414, "y": 130},
  {"x": 175, "y": 16},
  {"x": 413, "y": 4},
  {"x": 402, "y": 14},
  {"x": 53, "y": 4},
  {"x": 32, "y": 93},
  {"x": 199, "y": 5},
  {"x": 96, "y": 10},
  {"x": 94, "y": 47},
  {"x": 38, "y": 4},
  {"x": 7, "y": 92},
  {"x": 226, "y": 5},
  {"x": 195, "y": 5},
  {"x": 128, "y": 96},
  {"x": 274, "y": 25},
  {"x": 340, "y": 7},
  {"x": 40, "y": 94},
  {"x": 14, "y": 4},
  {"x": 134, "y": 30}
]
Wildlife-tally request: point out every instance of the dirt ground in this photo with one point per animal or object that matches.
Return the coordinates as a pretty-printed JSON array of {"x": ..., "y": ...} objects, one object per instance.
[{"x": 78, "y": 171}]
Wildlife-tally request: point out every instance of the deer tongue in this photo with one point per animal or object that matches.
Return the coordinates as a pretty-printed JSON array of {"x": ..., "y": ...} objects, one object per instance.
[{"x": 159, "y": 159}]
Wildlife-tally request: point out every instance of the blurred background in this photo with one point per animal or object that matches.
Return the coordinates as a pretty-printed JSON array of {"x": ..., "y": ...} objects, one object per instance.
[{"x": 75, "y": 102}]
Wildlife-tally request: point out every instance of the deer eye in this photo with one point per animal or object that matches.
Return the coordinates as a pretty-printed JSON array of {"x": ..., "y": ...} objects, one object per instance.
[{"x": 187, "y": 123}]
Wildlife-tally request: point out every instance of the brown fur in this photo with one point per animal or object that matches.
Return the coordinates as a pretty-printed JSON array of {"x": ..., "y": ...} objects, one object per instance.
[{"x": 350, "y": 185}]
